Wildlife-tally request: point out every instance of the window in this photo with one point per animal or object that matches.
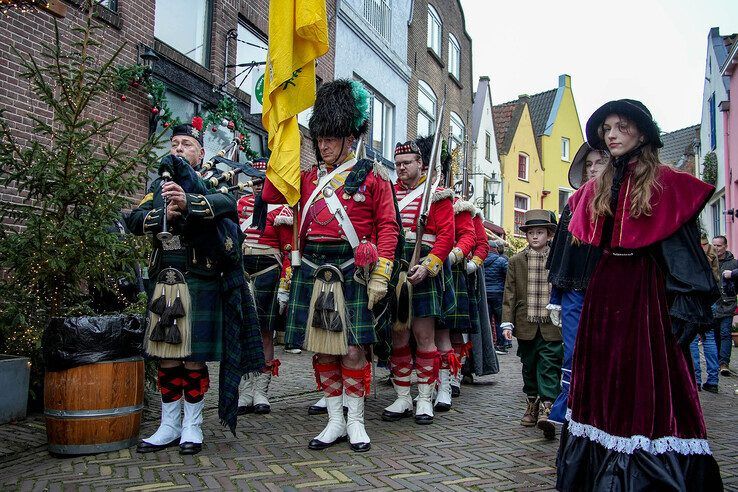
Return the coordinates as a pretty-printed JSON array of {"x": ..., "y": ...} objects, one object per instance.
[
  {"x": 185, "y": 26},
  {"x": 488, "y": 197},
  {"x": 426, "y": 110},
  {"x": 382, "y": 123},
  {"x": 488, "y": 146},
  {"x": 109, "y": 4},
  {"x": 434, "y": 30},
  {"x": 251, "y": 47},
  {"x": 717, "y": 218},
  {"x": 521, "y": 205},
  {"x": 563, "y": 199},
  {"x": 454, "y": 56},
  {"x": 377, "y": 14},
  {"x": 564, "y": 149},
  {"x": 523, "y": 161},
  {"x": 713, "y": 133}
]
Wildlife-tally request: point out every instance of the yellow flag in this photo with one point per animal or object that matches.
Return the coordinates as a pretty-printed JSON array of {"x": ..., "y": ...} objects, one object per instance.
[{"x": 298, "y": 35}]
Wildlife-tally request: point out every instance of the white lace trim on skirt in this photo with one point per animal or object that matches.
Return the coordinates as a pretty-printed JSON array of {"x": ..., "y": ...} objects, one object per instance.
[{"x": 631, "y": 444}]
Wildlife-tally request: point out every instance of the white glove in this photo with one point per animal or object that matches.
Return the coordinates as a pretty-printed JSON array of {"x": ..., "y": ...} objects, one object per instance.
[
  {"x": 455, "y": 255},
  {"x": 471, "y": 267},
  {"x": 283, "y": 296},
  {"x": 554, "y": 311}
]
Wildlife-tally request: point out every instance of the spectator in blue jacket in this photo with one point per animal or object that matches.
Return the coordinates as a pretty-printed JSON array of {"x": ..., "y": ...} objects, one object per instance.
[{"x": 495, "y": 272}]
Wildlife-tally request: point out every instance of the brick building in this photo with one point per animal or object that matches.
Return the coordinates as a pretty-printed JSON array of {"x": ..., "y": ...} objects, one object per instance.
[
  {"x": 440, "y": 56},
  {"x": 193, "y": 39}
]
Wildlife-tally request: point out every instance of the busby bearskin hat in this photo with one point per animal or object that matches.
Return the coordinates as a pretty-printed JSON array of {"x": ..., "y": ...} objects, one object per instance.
[
  {"x": 425, "y": 144},
  {"x": 341, "y": 109}
]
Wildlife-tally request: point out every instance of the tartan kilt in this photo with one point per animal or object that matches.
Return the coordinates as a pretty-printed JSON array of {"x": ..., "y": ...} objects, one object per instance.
[
  {"x": 427, "y": 295},
  {"x": 474, "y": 300},
  {"x": 361, "y": 319},
  {"x": 457, "y": 319},
  {"x": 264, "y": 289},
  {"x": 206, "y": 315}
]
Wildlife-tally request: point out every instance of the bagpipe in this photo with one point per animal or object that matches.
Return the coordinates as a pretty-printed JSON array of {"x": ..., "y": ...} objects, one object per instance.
[{"x": 404, "y": 287}]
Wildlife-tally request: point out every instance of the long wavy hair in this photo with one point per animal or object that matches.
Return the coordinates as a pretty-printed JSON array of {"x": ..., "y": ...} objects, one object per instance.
[{"x": 644, "y": 178}]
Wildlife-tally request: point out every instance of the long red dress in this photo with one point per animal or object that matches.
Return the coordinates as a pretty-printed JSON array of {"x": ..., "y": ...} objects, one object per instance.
[{"x": 636, "y": 421}]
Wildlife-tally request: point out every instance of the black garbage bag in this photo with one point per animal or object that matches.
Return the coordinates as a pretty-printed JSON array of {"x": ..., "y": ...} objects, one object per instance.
[{"x": 71, "y": 342}]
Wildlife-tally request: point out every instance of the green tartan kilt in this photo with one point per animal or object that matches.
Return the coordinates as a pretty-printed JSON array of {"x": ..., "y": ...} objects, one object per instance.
[
  {"x": 457, "y": 321},
  {"x": 206, "y": 315},
  {"x": 427, "y": 295},
  {"x": 360, "y": 318},
  {"x": 264, "y": 290}
]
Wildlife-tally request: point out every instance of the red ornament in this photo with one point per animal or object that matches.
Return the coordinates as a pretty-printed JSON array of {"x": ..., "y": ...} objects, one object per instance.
[
  {"x": 166, "y": 124},
  {"x": 197, "y": 123},
  {"x": 241, "y": 148},
  {"x": 231, "y": 125},
  {"x": 123, "y": 98},
  {"x": 135, "y": 84},
  {"x": 155, "y": 110},
  {"x": 214, "y": 129}
]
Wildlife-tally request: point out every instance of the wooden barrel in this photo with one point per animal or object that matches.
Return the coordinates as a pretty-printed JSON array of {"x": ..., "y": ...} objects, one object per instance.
[{"x": 94, "y": 408}]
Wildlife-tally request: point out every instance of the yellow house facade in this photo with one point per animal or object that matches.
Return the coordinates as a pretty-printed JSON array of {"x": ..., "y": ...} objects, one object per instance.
[
  {"x": 522, "y": 174},
  {"x": 558, "y": 137}
]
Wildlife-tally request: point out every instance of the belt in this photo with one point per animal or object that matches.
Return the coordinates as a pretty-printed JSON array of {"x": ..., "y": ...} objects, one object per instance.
[
  {"x": 250, "y": 277},
  {"x": 259, "y": 250},
  {"x": 341, "y": 266},
  {"x": 411, "y": 236},
  {"x": 326, "y": 239}
]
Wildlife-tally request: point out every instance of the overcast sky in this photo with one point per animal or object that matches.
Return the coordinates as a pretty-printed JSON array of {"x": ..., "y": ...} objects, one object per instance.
[{"x": 651, "y": 50}]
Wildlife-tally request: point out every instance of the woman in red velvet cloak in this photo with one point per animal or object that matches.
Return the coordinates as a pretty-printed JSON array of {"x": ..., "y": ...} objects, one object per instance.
[{"x": 636, "y": 421}]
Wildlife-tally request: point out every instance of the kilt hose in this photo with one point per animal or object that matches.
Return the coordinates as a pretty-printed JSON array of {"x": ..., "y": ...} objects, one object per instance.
[
  {"x": 264, "y": 290},
  {"x": 457, "y": 321},
  {"x": 360, "y": 319}
]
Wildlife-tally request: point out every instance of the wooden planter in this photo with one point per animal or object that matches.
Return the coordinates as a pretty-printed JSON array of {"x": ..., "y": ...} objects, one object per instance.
[{"x": 94, "y": 408}]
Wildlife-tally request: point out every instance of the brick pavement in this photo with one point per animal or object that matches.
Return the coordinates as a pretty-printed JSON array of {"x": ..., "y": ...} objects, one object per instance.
[{"x": 481, "y": 447}]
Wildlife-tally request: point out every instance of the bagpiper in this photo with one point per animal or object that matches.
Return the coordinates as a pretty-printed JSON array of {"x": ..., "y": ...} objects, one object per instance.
[
  {"x": 266, "y": 264},
  {"x": 348, "y": 236},
  {"x": 426, "y": 280},
  {"x": 198, "y": 310}
]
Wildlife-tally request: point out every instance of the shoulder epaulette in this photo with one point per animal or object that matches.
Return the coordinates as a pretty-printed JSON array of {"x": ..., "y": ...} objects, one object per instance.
[
  {"x": 463, "y": 206},
  {"x": 381, "y": 171},
  {"x": 441, "y": 194},
  {"x": 283, "y": 220}
]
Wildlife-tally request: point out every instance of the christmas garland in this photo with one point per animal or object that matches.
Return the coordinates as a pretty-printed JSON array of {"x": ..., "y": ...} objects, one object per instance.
[{"x": 225, "y": 112}]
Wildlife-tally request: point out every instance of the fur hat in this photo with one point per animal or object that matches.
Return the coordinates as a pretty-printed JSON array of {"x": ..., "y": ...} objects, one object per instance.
[
  {"x": 635, "y": 111},
  {"x": 341, "y": 109},
  {"x": 538, "y": 218},
  {"x": 425, "y": 144}
]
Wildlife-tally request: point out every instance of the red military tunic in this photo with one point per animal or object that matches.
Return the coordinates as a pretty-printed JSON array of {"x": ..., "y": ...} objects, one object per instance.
[
  {"x": 278, "y": 231},
  {"x": 465, "y": 236},
  {"x": 373, "y": 217},
  {"x": 440, "y": 219},
  {"x": 481, "y": 247}
]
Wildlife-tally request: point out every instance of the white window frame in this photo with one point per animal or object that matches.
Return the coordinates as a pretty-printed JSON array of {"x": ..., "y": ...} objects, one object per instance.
[
  {"x": 568, "y": 192},
  {"x": 454, "y": 56},
  {"x": 516, "y": 209},
  {"x": 435, "y": 30},
  {"x": 387, "y": 122},
  {"x": 488, "y": 146},
  {"x": 565, "y": 149},
  {"x": 428, "y": 92},
  {"x": 255, "y": 55},
  {"x": 527, "y": 167}
]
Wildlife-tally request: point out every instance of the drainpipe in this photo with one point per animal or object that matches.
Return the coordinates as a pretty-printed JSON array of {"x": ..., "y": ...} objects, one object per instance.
[{"x": 729, "y": 200}]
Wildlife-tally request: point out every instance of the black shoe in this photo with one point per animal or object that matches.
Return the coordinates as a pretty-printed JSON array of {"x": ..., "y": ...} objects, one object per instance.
[
  {"x": 388, "y": 416},
  {"x": 262, "y": 409},
  {"x": 317, "y": 410},
  {"x": 245, "y": 410},
  {"x": 467, "y": 379},
  {"x": 725, "y": 370},
  {"x": 423, "y": 419},
  {"x": 501, "y": 350},
  {"x": 361, "y": 447},
  {"x": 146, "y": 447},
  {"x": 455, "y": 391},
  {"x": 319, "y": 445},
  {"x": 190, "y": 447},
  {"x": 442, "y": 407},
  {"x": 710, "y": 388}
]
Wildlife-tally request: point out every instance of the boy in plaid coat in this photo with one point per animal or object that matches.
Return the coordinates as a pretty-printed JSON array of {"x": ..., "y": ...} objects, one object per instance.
[{"x": 524, "y": 313}]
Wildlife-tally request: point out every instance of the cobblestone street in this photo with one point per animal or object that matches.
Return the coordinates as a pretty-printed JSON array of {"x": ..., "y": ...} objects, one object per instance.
[{"x": 478, "y": 445}]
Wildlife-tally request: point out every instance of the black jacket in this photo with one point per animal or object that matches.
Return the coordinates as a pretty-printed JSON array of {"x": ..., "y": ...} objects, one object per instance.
[
  {"x": 570, "y": 265},
  {"x": 726, "y": 305}
]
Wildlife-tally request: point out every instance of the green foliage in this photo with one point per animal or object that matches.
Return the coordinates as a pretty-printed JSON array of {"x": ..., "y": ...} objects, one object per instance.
[
  {"x": 515, "y": 244},
  {"x": 226, "y": 113},
  {"x": 74, "y": 176},
  {"x": 709, "y": 168}
]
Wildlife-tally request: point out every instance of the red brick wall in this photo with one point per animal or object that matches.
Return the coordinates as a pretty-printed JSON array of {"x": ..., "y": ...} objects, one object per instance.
[
  {"x": 434, "y": 72},
  {"x": 133, "y": 24}
]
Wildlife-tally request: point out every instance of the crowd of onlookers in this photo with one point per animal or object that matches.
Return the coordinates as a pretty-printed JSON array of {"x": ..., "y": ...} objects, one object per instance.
[{"x": 717, "y": 342}]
